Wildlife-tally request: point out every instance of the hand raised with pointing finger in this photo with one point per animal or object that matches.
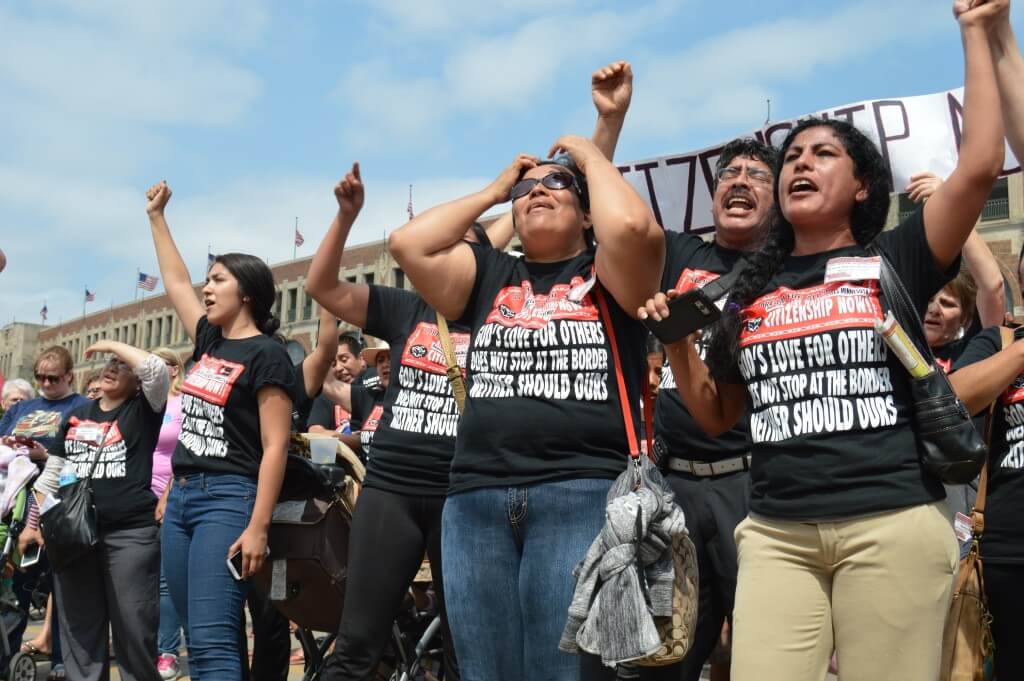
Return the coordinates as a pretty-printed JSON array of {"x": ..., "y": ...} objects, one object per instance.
[
  {"x": 349, "y": 192},
  {"x": 157, "y": 197}
]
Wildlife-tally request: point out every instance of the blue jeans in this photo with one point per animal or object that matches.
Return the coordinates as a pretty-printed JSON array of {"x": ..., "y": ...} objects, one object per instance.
[
  {"x": 508, "y": 560},
  {"x": 169, "y": 635},
  {"x": 205, "y": 514}
]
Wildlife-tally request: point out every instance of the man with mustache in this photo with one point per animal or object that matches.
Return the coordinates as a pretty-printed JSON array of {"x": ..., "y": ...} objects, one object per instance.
[{"x": 709, "y": 475}]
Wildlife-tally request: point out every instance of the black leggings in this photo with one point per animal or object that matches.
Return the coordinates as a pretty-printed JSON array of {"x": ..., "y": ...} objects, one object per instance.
[
  {"x": 389, "y": 535},
  {"x": 1004, "y": 587}
]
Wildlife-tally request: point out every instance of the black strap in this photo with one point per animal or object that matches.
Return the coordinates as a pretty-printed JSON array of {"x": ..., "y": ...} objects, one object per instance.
[
  {"x": 721, "y": 286},
  {"x": 901, "y": 305},
  {"x": 103, "y": 442}
]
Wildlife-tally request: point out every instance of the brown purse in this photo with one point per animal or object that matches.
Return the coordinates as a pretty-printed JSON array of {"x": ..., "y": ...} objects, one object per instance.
[{"x": 967, "y": 643}]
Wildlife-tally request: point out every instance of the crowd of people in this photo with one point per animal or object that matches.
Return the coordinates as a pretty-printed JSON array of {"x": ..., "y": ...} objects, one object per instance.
[{"x": 489, "y": 413}]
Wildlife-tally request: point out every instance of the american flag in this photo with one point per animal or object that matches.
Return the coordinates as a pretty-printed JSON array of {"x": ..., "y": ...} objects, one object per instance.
[
  {"x": 210, "y": 259},
  {"x": 147, "y": 281},
  {"x": 409, "y": 207},
  {"x": 89, "y": 296},
  {"x": 298, "y": 237},
  {"x": 42, "y": 313}
]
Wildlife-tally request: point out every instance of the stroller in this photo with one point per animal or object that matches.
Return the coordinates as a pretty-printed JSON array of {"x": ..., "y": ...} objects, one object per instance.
[
  {"x": 16, "y": 472},
  {"x": 304, "y": 575}
]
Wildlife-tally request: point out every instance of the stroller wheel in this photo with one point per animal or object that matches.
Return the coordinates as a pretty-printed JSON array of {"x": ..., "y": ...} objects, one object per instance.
[{"x": 23, "y": 668}]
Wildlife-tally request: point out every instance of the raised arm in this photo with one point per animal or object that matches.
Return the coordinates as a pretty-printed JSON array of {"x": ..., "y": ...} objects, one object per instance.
[
  {"x": 715, "y": 406},
  {"x": 950, "y": 214},
  {"x": 979, "y": 383},
  {"x": 631, "y": 243},
  {"x": 611, "y": 88},
  {"x": 177, "y": 282},
  {"x": 982, "y": 264},
  {"x": 344, "y": 299},
  {"x": 430, "y": 249},
  {"x": 978, "y": 257},
  {"x": 1009, "y": 66},
  {"x": 318, "y": 363},
  {"x": 150, "y": 369}
]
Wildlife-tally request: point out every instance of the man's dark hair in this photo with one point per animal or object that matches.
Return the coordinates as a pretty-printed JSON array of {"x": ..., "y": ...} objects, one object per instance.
[
  {"x": 350, "y": 341},
  {"x": 751, "y": 147}
]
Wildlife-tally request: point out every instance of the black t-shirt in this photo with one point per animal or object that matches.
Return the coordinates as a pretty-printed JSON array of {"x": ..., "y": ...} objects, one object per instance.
[
  {"x": 543, "y": 397},
  {"x": 413, "y": 445},
  {"x": 124, "y": 472},
  {"x": 220, "y": 420},
  {"x": 328, "y": 415},
  {"x": 367, "y": 408},
  {"x": 947, "y": 355},
  {"x": 1003, "y": 541},
  {"x": 691, "y": 262},
  {"x": 831, "y": 417}
]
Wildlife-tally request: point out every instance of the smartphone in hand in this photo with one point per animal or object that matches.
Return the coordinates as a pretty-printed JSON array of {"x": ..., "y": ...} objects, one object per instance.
[{"x": 688, "y": 312}]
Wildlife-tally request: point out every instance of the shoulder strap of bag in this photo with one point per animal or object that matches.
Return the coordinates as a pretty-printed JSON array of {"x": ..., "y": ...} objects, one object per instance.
[
  {"x": 454, "y": 372},
  {"x": 627, "y": 408},
  {"x": 901, "y": 305},
  {"x": 103, "y": 442},
  {"x": 978, "y": 513},
  {"x": 722, "y": 286}
]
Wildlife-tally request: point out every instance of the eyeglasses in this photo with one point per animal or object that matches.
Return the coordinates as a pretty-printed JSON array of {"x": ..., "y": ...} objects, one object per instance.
[
  {"x": 118, "y": 364},
  {"x": 753, "y": 174},
  {"x": 551, "y": 181},
  {"x": 48, "y": 378}
]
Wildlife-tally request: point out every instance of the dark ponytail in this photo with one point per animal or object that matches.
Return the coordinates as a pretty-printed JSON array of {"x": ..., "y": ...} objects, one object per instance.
[
  {"x": 866, "y": 222},
  {"x": 256, "y": 283}
]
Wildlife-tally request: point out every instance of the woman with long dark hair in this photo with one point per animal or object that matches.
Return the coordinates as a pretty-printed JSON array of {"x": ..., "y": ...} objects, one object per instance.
[
  {"x": 848, "y": 544},
  {"x": 229, "y": 463}
]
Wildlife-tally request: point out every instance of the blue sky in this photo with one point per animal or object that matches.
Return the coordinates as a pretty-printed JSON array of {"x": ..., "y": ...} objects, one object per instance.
[{"x": 252, "y": 110}]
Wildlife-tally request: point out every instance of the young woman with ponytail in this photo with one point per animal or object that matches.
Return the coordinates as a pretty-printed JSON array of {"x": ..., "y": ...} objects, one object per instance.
[
  {"x": 229, "y": 462},
  {"x": 848, "y": 544}
]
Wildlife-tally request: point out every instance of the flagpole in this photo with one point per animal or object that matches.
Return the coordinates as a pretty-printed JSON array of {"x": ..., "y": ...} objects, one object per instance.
[
  {"x": 83, "y": 304},
  {"x": 294, "y": 239},
  {"x": 137, "y": 273}
]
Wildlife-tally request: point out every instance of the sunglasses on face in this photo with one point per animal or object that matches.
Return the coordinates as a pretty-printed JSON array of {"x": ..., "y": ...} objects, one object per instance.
[
  {"x": 753, "y": 174},
  {"x": 551, "y": 181},
  {"x": 48, "y": 378}
]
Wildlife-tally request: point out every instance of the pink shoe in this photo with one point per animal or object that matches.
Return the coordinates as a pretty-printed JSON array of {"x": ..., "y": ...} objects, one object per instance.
[{"x": 167, "y": 667}]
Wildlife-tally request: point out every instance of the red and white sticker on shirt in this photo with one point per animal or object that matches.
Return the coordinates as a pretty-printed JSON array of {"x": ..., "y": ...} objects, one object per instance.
[
  {"x": 92, "y": 432},
  {"x": 853, "y": 269},
  {"x": 791, "y": 313},
  {"x": 212, "y": 378},
  {"x": 373, "y": 420},
  {"x": 691, "y": 279},
  {"x": 423, "y": 349},
  {"x": 341, "y": 418},
  {"x": 1015, "y": 393},
  {"x": 520, "y": 306}
]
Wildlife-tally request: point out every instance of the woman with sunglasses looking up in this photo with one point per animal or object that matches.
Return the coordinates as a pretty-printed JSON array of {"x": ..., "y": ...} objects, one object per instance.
[
  {"x": 229, "y": 463},
  {"x": 848, "y": 544},
  {"x": 542, "y": 436},
  {"x": 116, "y": 586}
]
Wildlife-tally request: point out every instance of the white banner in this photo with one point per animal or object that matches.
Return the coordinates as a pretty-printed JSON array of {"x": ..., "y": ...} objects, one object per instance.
[{"x": 915, "y": 134}]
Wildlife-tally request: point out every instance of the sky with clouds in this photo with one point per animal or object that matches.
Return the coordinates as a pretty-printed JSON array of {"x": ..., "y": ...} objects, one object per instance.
[{"x": 252, "y": 110}]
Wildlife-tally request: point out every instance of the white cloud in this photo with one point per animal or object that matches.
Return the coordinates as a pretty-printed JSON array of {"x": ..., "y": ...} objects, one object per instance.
[
  {"x": 726, "y": 79},
  {"x": 488, "y": 75}
]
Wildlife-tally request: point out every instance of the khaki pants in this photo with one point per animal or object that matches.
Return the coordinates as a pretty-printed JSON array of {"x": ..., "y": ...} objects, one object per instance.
[{"x": 875, "y": 589}]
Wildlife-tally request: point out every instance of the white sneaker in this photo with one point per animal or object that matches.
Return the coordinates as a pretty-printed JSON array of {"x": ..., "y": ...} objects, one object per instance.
[{"x": 167, "y": 667}]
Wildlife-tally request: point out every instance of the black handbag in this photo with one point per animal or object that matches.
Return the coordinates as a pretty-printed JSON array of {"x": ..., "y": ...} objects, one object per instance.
[
  {"x": 950, "y": 447},
  {"x": 70, "y": 528}
]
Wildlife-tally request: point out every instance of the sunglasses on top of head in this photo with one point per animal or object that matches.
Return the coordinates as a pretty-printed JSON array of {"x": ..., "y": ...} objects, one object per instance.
[{"x": 551, "y": 181}]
